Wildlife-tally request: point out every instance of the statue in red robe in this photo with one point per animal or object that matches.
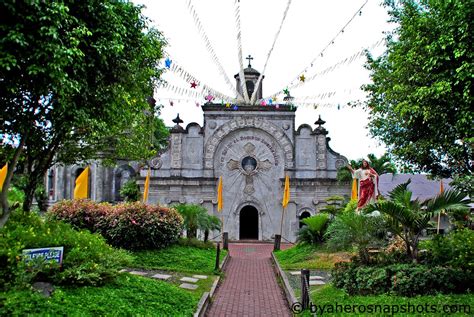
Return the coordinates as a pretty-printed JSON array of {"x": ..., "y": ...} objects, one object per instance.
[{"x": 368, "y": 184}]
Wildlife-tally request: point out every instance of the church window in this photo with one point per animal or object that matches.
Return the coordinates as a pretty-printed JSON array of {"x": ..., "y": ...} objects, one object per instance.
[{"x": 250, "y": 87}]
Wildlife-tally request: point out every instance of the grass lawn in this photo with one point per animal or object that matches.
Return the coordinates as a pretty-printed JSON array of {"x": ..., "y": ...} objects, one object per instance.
[
  {"x": 128, "y": 295},
  {"x": 309, "y": 257},
  {"x": 178, "y": 258},
  {"x": 432, "y": 305}
]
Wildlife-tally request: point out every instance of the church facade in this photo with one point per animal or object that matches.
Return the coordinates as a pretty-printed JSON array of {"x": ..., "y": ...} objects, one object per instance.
[{"x": 252, "y": 148}]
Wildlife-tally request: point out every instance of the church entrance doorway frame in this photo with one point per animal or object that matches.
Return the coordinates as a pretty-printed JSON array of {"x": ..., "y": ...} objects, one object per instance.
[{"x": 249, "y": 219}]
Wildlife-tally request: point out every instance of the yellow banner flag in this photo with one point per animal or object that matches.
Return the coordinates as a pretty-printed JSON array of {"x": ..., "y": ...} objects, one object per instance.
[
  {"x": 286, "y": 192},
  {"x": 147, "y": 186},
  {"x": 220, "y": 202},
  {"x": 3, "y": 175},
  {"x": 354, "y": 189},
  {"x": 82, "y": 185}
]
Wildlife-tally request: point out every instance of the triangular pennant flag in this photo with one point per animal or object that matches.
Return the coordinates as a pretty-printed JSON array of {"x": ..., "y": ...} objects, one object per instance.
[{"x": 82, "y": 185}]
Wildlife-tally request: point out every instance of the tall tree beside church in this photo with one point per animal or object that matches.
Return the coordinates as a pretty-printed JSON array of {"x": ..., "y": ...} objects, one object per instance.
[
  {"x": 74, "y": 80},
  {"x": 421, "y": 96}
]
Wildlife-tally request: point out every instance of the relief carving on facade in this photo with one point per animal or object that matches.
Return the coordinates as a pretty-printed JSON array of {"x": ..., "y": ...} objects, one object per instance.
[{"x": 248, "y": 122}]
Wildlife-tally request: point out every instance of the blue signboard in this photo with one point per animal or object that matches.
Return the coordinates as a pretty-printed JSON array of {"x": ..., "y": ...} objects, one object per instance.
[{"x": 52, "y": 254}]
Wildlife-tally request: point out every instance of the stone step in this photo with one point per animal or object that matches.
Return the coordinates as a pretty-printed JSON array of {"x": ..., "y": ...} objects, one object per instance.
[
  {"x": 295, "y": 273},
  {"x": 189, "y": 279},
  {"x": 315, "y": 277},
  {"x": 188, "y": 286},
  {"x": 161, "y": 276},
  {"x": 201, "y": 277},
  {"x": 138, "y": 273},
  {"x": 316, "y": 282}
]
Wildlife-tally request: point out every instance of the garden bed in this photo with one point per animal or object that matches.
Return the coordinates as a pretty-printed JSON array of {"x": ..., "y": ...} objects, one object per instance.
[{"x": 333, "y": 300}]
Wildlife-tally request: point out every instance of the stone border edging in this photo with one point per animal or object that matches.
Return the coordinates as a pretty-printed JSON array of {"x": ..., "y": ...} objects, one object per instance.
[
  {"x": 289, "y": 293},
  {"x": 203, "y": 304},
  {"x": 224, "y": 262}
]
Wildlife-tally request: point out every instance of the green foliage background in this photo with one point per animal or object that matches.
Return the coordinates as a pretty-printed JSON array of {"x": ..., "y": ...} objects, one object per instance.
[{"x": 420, "y": 101}]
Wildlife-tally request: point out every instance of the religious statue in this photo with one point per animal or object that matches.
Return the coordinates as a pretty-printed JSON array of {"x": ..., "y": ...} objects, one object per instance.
[{"x": 368, "y": 183}]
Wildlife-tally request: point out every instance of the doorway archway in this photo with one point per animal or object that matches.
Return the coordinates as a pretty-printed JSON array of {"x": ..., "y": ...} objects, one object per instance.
[
  {"x": 304, "y": 214},
  {"x": 248, "y": 223}
]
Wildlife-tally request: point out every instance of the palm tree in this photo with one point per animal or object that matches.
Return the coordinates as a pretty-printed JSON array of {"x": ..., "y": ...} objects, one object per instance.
[
  {"x": 211, "y": 223},
  {"x": 381, "y": 165},
  {"x": 408, "y": 218},
  {"x": 194, "y": 216},
  {"x": 313, "y": 230}
]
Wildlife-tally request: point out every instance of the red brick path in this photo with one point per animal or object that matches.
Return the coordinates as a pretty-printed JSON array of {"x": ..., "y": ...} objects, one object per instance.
[{"x": 250, "y": 287}]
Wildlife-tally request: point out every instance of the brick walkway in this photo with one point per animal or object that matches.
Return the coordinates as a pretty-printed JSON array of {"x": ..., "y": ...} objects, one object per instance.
[{"x": 250, "y": 287}]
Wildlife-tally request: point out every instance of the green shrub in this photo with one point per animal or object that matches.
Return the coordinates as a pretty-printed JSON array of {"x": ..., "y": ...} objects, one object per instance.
[
  {"x": 128, "y": 225},
  {"x": 455, "y": 249},
  {"x": 87, "y": 259},
  {"x": 16, "y": 196},
  {"x": 371, "y": 280},
  {"x": 314, "y": 229},
  {"x": 401, "y": 279},
  {"x": 136, "y": 226},
  {"x": 130, "y": 191},
  {"x": 193, "y": 242}
]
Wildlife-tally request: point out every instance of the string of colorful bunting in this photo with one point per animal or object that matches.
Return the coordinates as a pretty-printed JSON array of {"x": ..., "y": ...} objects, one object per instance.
[
  {"x": 243, "y": 83},
  {"x": 210, "y": 48},
  {"x": 347, "y": 61},
  {"x": 301, "y": 77},
  {"x": 195, "y": 83},
  {"x": 208, "y": 95},
  {"x": 254, "y": 94}
]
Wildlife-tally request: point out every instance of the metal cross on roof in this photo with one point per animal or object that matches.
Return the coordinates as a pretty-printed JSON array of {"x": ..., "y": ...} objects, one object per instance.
[{"x": 250, "y": 58}]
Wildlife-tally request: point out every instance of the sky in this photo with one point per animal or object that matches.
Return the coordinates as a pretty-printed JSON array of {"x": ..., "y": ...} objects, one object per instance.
[{"x": 308, "y": 30}]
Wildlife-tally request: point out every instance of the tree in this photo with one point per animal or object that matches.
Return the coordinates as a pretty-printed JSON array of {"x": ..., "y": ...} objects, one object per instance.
[
  {"x": 74, "y": 79},
  {"x": 420, "y": 98},
  {"x": 408, "y": 218}
]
